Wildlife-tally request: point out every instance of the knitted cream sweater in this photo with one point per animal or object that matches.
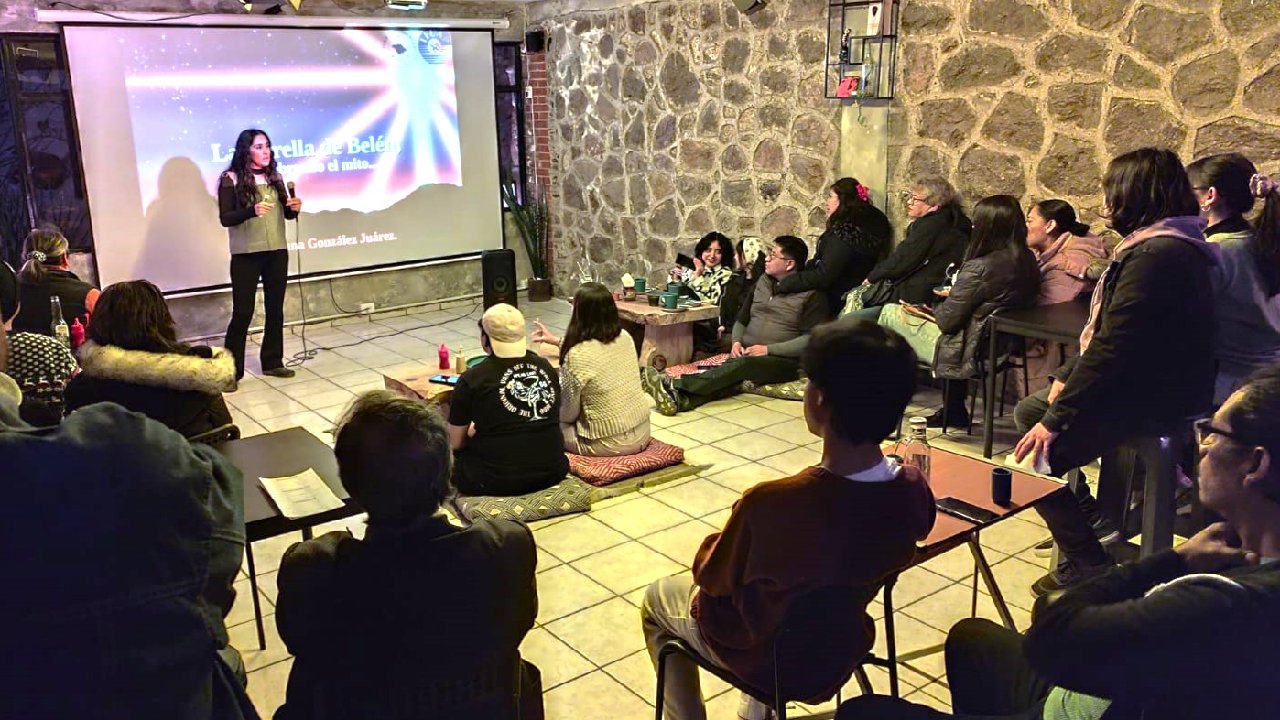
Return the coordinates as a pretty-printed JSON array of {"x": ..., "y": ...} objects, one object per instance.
[{"x": 600, "y": 389}]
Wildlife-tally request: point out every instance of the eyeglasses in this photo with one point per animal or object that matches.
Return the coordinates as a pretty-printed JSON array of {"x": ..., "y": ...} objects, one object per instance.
[
  {"x": 1206, "y": 429},
  {"x": 912, "y": 199},
  {"x": 775, "y": 255}
]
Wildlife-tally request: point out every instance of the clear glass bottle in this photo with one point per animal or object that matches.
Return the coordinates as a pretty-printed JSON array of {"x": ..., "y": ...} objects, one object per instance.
[
  {"x": 915, "y": 449},
  {"x": 57, "y": 323}
]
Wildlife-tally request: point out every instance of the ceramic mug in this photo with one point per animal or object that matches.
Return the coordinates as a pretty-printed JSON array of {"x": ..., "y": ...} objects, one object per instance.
[
  {"x": 640, "y": 285},
  {"x": 670, "y": 300}
]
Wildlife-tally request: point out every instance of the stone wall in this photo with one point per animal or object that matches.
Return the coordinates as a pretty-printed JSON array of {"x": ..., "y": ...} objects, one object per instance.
[
  {"x": 1033, "y": 97},
  {"x": 673, "y": 118}
]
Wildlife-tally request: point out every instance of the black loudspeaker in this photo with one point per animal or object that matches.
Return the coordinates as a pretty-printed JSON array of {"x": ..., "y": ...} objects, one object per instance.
[
  {"x": 535, "y": 41},
  {"x": 498, "y": 275},
  {"x": 749, "y": 6}
]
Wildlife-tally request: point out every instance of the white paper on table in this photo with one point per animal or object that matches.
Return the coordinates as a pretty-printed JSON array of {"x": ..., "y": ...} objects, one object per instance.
[{"x": 301, "y": 495}]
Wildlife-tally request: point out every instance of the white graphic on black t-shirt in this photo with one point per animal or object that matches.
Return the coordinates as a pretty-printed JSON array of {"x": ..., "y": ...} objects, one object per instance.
[{"x": 527, "y": 391}]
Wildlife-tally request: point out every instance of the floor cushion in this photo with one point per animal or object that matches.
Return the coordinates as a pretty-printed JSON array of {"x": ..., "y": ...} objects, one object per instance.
[
  {"x": 570, "y": 495},
  {"x": 605, "y": 470}
]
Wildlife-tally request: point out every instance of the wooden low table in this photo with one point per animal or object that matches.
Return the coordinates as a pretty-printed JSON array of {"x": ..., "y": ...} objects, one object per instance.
[
  {"x": 668, "y": 336},
  {"x": 416, "y": 382}
]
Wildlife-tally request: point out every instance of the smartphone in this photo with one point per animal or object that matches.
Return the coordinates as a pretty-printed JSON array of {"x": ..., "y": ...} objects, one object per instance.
[
  {"x": 443, "y": 379},
  {"x": 684, "y": 261},
  {"x": 956, "y": 507}
]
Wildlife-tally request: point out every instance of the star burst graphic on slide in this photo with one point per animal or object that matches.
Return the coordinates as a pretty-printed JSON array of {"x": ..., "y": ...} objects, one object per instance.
[{"x": 359, "y": 123}]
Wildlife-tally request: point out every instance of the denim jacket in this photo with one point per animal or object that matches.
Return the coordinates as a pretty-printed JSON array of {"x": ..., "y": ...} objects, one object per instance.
[{"x": 119, "y": 543}]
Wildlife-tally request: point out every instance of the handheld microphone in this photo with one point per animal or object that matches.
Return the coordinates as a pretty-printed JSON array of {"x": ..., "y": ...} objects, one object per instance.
[{"x": 292, "y": 192}]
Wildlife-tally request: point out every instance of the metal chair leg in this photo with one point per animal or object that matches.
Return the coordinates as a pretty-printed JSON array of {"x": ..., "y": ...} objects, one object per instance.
[
  {"x": 864, "y": 682},
  {"x": 257, "y": 603},
  {"x": 890, "y": 637},
  {"x": 662, "y": 681}
]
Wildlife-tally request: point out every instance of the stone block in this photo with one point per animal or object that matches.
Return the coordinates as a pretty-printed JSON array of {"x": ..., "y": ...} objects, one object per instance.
[
  {"x": 693, "y": 189},
  {"x": 1208, "y": 84},
  {"x": 979, "y": 65},
  {"x": 775, "y": 117},
  {"x": 811, "y": 47},
  {"x": 1260, "y": 141},
  {"x": 738, "y": 193},
  {"x": 571, "y": 194},
  {"x": 918, "y": 18},
  {"x": 1072, "y": 54},
  {"x": 1007, "y": 17},
  {"x": 614, "y": 193},
  {"x": 780, "y": 221},
  {"x": 779, "y": 46},
  {"x": 809, "y": 173},
  {"x": 919, "y": 63},
  {"x": 1015, "y": 121},
  {"x": 1262, "y": 94},
  {"x": 1163, "y": 35},
  {"x": 698, "y": 221},
  {"x": 1263, "y": 50},
  {"x": 778, "y": 80},
  {"x": 664, "y": 221},
  {"x": 1070, "y": 167},
  {"x": 1098, "y": 14},
  {"x": 698, "y": 155},
  {"x": 733, "y": 159},
  {"x": 1131, "y": 124},
  {"x": 661, "y": 186},
  {"x": 983, "y": 172},
  {"x": 814, "y": 133},
  {"x": 1131, "y": 74},
  {"x": 734, "y": 57},
  {"x": 1242, "y": 17},
  {"x": 680, "y": 85},
  {"x": 768, "y": 155},
  {"x": 950, "y": 120},
  {"x": 664, "y": 132},
  {"x": 926, "y": 162},
  {"x": 1078, "y": 104},
  {"x": 738, "y": 93}
]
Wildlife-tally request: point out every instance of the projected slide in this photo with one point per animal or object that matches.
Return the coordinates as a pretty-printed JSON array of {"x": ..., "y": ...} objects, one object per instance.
[{"x": 388, "y": 134}]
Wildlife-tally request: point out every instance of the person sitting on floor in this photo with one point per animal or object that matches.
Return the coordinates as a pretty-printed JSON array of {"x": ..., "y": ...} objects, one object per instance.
[
  {"x": 40, "y": 364},
  {"x": 418, "y": 600},
  {"x": 998, "y": 272},
  {"x": 857, "y": 236},
  {"x": 713, "y": 260},
  {"x": 119, "y": 544},
  {"x": 768, "y": 338},
  {"x": 45, "y": 274},
  {"x": 850, "y": 522},
  {"x": 751, "y": 259},
  {"x": 1146, "y": 359},
  {"x": 1246, "y": 286},
  {"x": 603, "y": 409},
  {"x": 1186, "y": 633},
  {"x": 132, "y": 357},
  {"x": 503, "y": 417}
]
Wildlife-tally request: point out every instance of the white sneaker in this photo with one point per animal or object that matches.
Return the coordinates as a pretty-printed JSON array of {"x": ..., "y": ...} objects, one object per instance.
[{"x": 751, "y": 709}]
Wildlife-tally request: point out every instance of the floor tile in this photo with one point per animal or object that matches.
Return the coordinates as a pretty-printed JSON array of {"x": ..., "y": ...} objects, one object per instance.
[
  {"x": 793, "y": 461},
  {"x": 1014, "y": 578},
  {"x": 627, "y": 567},
  {"x": 267, "y": 686},
  {"x": 753, "y": 446},
  {"x": 557, "y": 662},
  {"x": 577, "y": 537},
  {"x": 681, "y": 542},
  {"x": 595, "y": 696},
  {"x": 602, "y": 633},
  {"x": 945, "y": 608},
  {"x": 754, "y": 417},
  {"x": 794, "y": 430},
  {"x": 698, "y": 497},
  {"x": 639, "y": 515},
  {"x": 917, "y": 583},
  {"x": 744, "y": 477},
  {"x": 710, "y": 430},
  {"x": 712, "y": 459},
  {"x": 315, "y": 401},
  {"x": 1012, "y": 536},
  {"x": 244, "y": 637},
  {"x": 563, "y": 591},
  {"x": 636, "y": 672}
]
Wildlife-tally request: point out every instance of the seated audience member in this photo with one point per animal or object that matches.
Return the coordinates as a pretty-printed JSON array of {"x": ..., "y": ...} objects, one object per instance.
[
  {"x": 750, "y": 262},
  {"x": 1246, "y": 286},
  {"x": 603, "y": 409},
  {"x": 1064, "y": 249},
  {"x": 1146, "y": 358},
  {"x": 1186, "y": 633},
  {"x": 713, "y": 259},
  {"x": 418, "y": 601},
  {"x": 126, "y": 542},
  {"x": 503, "y": 418},
  {"x": 935, "y": 240},
  {"x": 998, "y": 272},
  {"x": 857, "y": 236},
  {"x": 768, "y": 338},
  {"x": 132, "y": 357},
  {"x": 849, "y": 522},
  {"x": 41, "y": 366},
  {"x": 44, "y": 275}
]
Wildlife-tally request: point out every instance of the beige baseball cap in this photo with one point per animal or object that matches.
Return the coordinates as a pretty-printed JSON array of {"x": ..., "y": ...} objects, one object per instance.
[{"x": 505, "y": 327}]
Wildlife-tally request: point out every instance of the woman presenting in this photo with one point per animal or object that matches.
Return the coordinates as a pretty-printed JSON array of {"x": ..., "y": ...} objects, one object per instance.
[{"x": 253, "y": 204}]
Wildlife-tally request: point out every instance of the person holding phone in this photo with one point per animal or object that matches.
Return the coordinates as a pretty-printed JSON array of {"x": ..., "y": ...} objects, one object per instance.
[
  {"x": 253, "y": 204},
  {"x": 709, "y": 269}
]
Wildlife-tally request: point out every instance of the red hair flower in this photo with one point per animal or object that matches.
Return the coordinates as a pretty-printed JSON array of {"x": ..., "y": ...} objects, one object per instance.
[{"x": 863, "y": 193}]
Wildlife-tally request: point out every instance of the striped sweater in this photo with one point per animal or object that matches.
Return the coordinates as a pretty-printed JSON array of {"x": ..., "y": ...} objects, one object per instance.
[{"x": 600, "y": 389}]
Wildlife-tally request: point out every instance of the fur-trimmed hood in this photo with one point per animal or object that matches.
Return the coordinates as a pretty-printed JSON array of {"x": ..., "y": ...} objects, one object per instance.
[{"x": 211, "y": 376}]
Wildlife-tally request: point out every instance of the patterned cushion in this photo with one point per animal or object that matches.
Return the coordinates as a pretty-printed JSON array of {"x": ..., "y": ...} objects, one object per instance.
[
  {"x": 675, "y": 371},
  {"x": 601, "y": 471},
  {"x": 570, "y": 495},
  {"x": 793, "y": 390}
]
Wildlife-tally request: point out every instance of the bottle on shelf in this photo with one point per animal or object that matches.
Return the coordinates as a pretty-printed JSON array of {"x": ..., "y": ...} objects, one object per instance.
[
  {"x": 915, "y": 449},
  {"x": 58, "y": 324}
]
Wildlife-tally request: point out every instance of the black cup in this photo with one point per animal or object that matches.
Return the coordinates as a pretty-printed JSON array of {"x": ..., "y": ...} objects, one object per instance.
[{"x": 1001, "y": 486}]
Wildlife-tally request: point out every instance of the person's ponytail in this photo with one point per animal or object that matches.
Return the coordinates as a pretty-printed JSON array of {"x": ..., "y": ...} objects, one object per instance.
[{"x": 43, "y": 247}]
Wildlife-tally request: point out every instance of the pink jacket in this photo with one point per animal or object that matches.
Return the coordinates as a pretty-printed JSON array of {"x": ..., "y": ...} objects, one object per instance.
[{"x": 1063, "y": 265}]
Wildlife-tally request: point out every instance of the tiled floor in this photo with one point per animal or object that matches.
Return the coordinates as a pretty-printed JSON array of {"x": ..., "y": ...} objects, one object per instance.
[{"x": 593, "y": 568}]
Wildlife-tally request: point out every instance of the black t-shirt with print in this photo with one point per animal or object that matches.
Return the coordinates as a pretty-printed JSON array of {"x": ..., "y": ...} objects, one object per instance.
[{"x": 517, "y": 448}]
